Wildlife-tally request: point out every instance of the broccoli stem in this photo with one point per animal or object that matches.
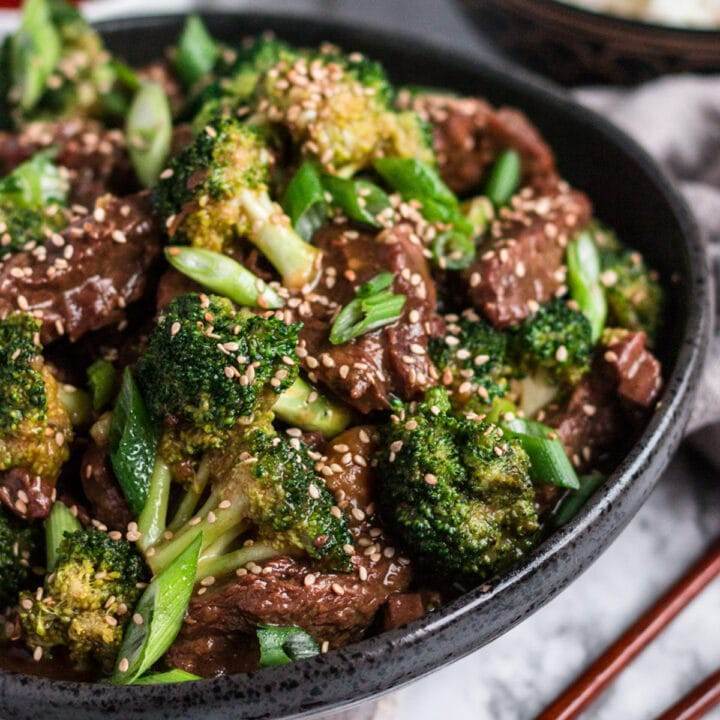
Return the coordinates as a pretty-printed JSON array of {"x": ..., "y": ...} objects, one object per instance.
[
  {"x": 223, "y": 543},
  {"x": 302, "y": 406},
  {"x": 224, "y": 564},
  {"x": 212, "y": 523},
  {"x": 192, "y": 496},
  {"x": 151, "y": 523},
  {"x": 297, "y": 262}
]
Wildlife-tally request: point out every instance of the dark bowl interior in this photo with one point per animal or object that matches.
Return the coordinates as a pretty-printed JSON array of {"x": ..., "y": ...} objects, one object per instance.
[
  {"x": 574, "y": 45},
  {"x": 630, "y": 193}
]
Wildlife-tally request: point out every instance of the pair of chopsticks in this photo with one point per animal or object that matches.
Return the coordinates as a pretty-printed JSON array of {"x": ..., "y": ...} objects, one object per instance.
[{"x": 622, "y": 652}]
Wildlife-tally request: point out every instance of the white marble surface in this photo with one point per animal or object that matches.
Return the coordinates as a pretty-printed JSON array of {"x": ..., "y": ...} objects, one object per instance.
[{"x": 513, "y": 678}]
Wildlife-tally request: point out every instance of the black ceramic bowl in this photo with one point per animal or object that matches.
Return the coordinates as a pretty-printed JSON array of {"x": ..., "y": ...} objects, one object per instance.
[
  {"x": 575, "y": 46},
  {"x": 630, "y": 193}
]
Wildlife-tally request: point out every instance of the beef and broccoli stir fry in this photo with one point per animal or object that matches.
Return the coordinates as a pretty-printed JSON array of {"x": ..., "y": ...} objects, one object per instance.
[{"x": 288, "y": 355}]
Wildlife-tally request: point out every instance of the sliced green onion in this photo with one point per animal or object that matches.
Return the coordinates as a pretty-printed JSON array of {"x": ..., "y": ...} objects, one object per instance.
[
  {"x": 549, "y": 463},
  {"x": 583, "y": 263},
  {"x": 35, "y": 51},
  {"x": 360, "y": 200},
  {"x": 413, "y": 178},
  {"x": 302, "y": 406},
  {"x": 453, "y": 250},
  {"x": 162, "y": 609},
  {"x": 304, "y": 201},
  {"x": 35, "y": 183},
  {"x": 223, "y": 275},
  {"x": 165, "y": 678},
  {"x": 197, "y": 52},
  {"x": 59, "y": 522},
  {"x": 152, "y": 519},
  {"x": 504, "y": 178},
  {"x": 102, "y": 380},
  {"x": 149, "y": 132},
  {"x": 77, "y": 404},
  {"x": 283, "y": 645},
  {"x": 374, "y": 306},
  {"x": 573, "y": 502},
  {"x": 132, "y": 440}
]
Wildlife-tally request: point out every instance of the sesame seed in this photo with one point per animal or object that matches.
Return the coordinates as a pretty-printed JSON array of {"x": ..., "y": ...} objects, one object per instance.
[
  {"x": 138, "y": 619},
  {"x": 430, "y": 479},
  {"x": 561, "y": 355},
  {"x": 338, "y": 589},
  {"x": 124, "y": 665},
  {"x": 309, "y": 580},
  {"x": 38, "y": 653}
]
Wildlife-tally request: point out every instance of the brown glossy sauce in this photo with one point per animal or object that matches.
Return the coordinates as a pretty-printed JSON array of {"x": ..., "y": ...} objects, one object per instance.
[{"x": 15, "y": 658}]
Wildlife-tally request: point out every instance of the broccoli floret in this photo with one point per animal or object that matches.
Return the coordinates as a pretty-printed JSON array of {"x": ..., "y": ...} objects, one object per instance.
[
  {"x": 213, "y": 375},
  {"x": 86, "y": 600},
  {"x": 79, "y": 77},
  {"x": 86, "y": 81},
  {"x": 557, "y": 340},
  {"x": 338, "y": 109},
  {"x": 18, "y": 545},
  {"x": 235, "y": 86},
  {"x": 455, "y": 491},
  {"x": 35, "y": 427},
  {"x": 266, "y": 482},
  {"x": 634, "y": 296},
  {"x": 217, "y": 191},
  {"x": 471, "y": 359},
  {"x": 32, "y": 197},
  {"x": 208, "y": 367}
]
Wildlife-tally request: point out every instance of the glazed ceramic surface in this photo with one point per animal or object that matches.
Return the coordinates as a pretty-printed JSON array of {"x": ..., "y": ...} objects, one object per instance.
[
  {"x": 630, "y": 193},
  {"x": 577, "y": 46}
]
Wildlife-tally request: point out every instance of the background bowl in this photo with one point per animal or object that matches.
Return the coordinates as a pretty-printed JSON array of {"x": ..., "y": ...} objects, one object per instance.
[
  {"x": 631, "y": 193},
  {"x": 576, "y": 46}
]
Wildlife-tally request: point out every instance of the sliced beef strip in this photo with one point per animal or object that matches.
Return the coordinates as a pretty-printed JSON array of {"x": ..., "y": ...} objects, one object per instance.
[
  {"x": 591, "y": 424},
  {"x": 96, "y": 158},
  {"x": 27, "y": 495},
  {"x": 333, "y": 607},
  {"x": 469, "y": 134},
  {"x": 521, "y": 266},
  {"x": 83, "y": 279},
  {"x": 215, "y": 654},
  {"x": 107, "y": 503},
  {"x": 610, "y": 404},
  {"x": 634, "y": 368},
  {"x": 393, "y": 360}
]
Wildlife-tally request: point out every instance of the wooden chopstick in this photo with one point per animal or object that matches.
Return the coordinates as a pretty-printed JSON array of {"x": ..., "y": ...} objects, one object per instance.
[
  {"x": 700, "y": 700},
  {"x": 600, "y": 674}
]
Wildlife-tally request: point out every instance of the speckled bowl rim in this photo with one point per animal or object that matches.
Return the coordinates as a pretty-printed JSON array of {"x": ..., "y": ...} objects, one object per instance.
[
  {"x": 633, "y": 23},
  {"x": 205, "y": 697}
]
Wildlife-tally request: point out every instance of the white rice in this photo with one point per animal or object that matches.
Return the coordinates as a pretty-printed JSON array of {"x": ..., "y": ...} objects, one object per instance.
[{"x": 679, "y": 13}]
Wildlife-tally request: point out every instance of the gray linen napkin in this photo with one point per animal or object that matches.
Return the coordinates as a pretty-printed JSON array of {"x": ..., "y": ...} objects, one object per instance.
[{"x": 677, "y": 120}]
